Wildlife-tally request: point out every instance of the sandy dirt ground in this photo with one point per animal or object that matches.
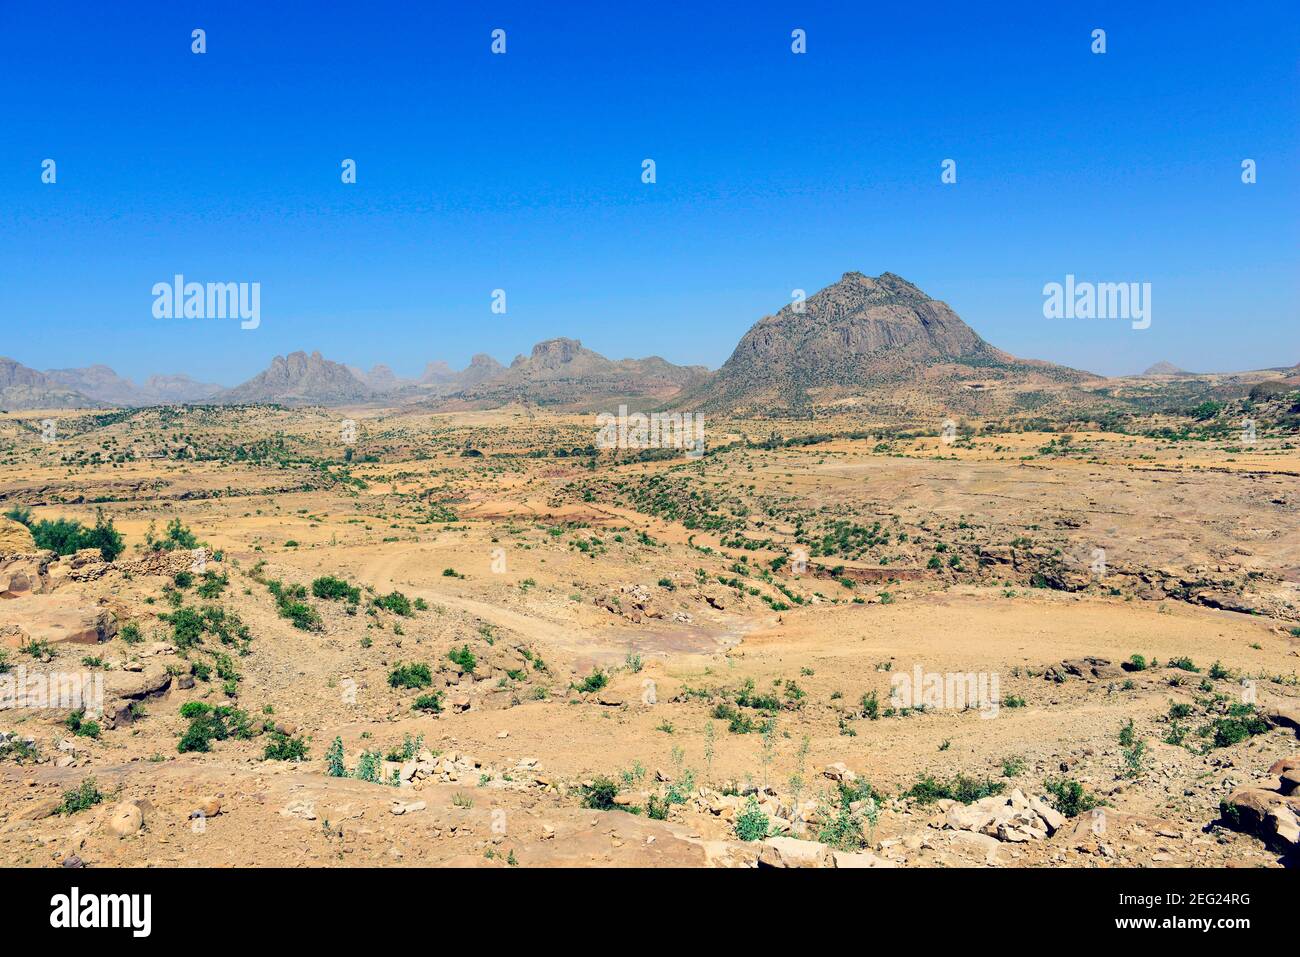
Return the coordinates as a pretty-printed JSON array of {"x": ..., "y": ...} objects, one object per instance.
[{"x": 662, "y": 649}]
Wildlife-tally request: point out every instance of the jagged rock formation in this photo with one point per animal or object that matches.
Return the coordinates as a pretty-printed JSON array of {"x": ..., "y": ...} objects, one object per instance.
[{"x": 562, "y": 373}]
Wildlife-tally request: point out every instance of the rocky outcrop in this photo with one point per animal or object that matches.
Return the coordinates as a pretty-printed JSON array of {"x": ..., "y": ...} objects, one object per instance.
[
  {"x": 562, "y": 373},
  {"x": 15, "y": 538},
  {"x": 1013, "y": 817},
  {"x": 1089, "y": 668},
  {"x": 54, "y": 619},
  {"x": 1269, "y": 809}
]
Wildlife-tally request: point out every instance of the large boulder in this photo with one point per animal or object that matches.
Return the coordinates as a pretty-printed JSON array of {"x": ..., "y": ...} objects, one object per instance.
[
  {"x": 125, "y": 689},
  {"x": 1284, "y": 718},
  {"x": 55, "y": 618},
  {"x": 791, "y": 852},
  {"x": 15, "y": 538},
  {"x": 125, "y": 819},
  {"x": 22, "y": 575},
  {"x": 1266, "y": 814}
]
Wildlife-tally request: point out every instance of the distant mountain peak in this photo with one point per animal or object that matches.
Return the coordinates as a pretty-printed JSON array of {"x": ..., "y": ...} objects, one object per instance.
[
  {"x": 859, "y": 336},
  {"x": 1165, "y": 368},
  {"x": 562, "y": 373},
  {"x": 300, "y": 378}
]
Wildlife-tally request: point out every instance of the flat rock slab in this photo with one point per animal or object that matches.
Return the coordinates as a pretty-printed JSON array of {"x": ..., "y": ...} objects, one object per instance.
[{"x": 56, "y": 619}]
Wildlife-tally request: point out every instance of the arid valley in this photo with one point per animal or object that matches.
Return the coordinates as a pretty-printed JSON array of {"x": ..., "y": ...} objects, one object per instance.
[{"x": 470, "y": 638}]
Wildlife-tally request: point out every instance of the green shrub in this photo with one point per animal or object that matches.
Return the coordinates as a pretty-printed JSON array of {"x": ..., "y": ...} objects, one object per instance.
[
  {"x": 429, "y": 702},
  {"x": 410, "y": 676},
  {"x": 843, "y": 830},
  {"x": 871, "y": 705},
  {"x": 281, "y": 747},
  {"x": 176, "y": 538},
  {"x": 1242, "y": 722},
  {"x": 212, "y": 585},
  {"x": 192, "y": 709},
  {"x": 397, "y": 603},
  {"x": 211, "y": 724},
  {"x": 594, "y": 681},
  {"x": 957, "y": 788},
  {"x": 86, "y": 795},
  {"x": 369, "y": 766},
  {"x": 1070, "y": 797},
  {"x": 334, "y": 766},
  {"x": 76, "y": 723},
  {"x": 335, "y": 589},
  {"x": 66, "y": 536},
  {"x": 657, "y": 808},
  {"x": 464, "y": 658},
  {"x": 301, "y": 615},
  {"x": 751, "y": 823},
  {"x": 599, "y": 794}
]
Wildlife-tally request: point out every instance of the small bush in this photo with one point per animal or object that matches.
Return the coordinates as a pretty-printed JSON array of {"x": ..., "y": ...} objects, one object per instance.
[
  {"x": 76, "y": 723},
  {"x": 957, "y": 788},
  {"x": 871, "y": 705},
  {"x": 410, "y": 676},
  {"x": 335, "y": 589},
  {"x": 85, "y": 796},
  {"x": 281, "y": 747},
  {"x": 599, "y": 794},
  {"x": 431, "y": 702},
  {"x": 397, "y": 603},
  {"x": 334, "y": 766},
  {"x": 1070, "y": 797},
  {"x": 464, "y": 658},
  {"x": 751, "y": 823},
  {"x": 1242, "y": 722}
]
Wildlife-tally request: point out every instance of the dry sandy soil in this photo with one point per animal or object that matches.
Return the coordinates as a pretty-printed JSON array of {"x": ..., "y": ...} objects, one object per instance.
[{"x": 731, "y": 669}]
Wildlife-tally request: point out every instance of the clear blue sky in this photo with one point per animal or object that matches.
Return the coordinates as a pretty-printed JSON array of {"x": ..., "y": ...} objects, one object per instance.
[{"x": 522, "y": 172}]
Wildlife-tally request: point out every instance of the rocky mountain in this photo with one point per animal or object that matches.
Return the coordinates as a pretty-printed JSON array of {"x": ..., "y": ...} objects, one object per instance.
[
  {"x": 25, "y": 388},
  {"x": 379, "y": 379},
  {"x": 561, "y": 373},
  {"x": 881, "y": 342},
  {"x": 436, "y": 374},
  {"x": 299, "y": 378},
  {"x": 442, "y": 379},
  {"x": 177, "y": 388},
  {"x": 1165, "y": 368},
  {"x": 103, "y": 384}
]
